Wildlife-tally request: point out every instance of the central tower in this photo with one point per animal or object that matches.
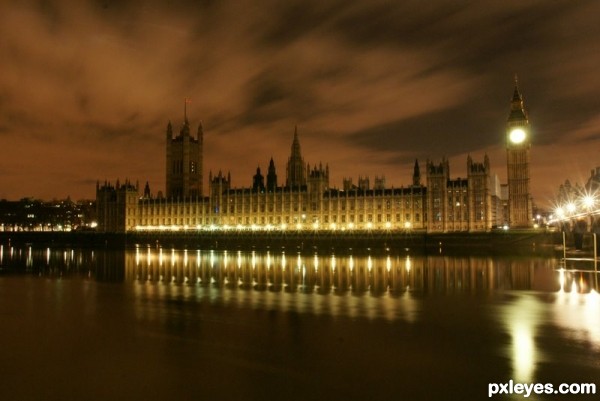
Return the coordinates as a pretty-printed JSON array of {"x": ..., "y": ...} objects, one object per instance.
[
  {"x": 518, "y": 145},
  {"x": 184, "y": 162},
  {"x": 296, "y": 168}
]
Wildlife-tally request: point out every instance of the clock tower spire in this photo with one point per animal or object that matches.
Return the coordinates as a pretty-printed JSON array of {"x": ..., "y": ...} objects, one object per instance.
[{"x": 518, "y": 146}]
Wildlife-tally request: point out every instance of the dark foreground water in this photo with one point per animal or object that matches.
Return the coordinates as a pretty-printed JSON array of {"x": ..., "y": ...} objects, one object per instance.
[{"x": 174, "y": 324}]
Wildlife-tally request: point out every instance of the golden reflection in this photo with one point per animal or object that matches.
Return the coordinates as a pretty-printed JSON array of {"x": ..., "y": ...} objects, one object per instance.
[
  {"x": 523, "y": 353},
  {"x": 522, "y": 318},
  {"x": 579, "y": 313},
  {"x": 575, "y": 306},
  {"x": 561, "y": 279},
  {"x": 29, "y": 262},
  {"x": 573, "y": 288},
  {"x": 375, "y": 273}
]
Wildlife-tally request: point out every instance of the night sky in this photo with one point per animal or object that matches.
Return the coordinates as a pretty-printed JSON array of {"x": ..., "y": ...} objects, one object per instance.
[{"x": 87, "y": 88}]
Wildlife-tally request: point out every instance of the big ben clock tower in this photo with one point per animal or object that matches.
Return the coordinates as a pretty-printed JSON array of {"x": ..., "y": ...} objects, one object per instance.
[{"x": 518, "y": 145}]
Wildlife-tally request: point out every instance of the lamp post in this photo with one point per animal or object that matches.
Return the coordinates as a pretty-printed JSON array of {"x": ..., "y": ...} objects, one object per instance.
[{"x": 580, "y": 213}]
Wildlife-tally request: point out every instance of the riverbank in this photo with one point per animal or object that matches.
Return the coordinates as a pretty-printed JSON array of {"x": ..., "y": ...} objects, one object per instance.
[{"x": 496, "y": 242}]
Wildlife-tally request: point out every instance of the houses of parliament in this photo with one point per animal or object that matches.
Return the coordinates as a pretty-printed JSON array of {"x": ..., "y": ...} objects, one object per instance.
[{"x": 305, "y": 200}]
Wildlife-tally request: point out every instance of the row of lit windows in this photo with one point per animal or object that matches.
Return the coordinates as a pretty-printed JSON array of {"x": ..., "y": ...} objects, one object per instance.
[
  {"x": 379, "y": 218},
  {"x": 262, "y": 208},
  {"x": 343, "y": 204}
]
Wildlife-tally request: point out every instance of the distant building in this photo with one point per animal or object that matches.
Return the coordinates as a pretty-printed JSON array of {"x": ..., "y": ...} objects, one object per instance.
[
  {"x": 36, "y": 215},
  {"x": 574, "y": 201},
  {"x": 499, "y": 199},
  {"x": 593, "y": 183},
  {"x": 568, "y": 193},
  {"x": 307, "y": 201}
]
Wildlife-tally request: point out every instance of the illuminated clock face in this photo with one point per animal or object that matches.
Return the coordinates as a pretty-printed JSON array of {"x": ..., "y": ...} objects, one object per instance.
[{"x": 517, "y": 135}]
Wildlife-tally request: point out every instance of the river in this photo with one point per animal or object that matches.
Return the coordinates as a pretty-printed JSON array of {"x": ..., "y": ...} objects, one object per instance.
[{"x": 152, "y": 323}]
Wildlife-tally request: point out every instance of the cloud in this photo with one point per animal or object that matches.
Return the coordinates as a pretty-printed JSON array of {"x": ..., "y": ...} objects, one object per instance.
[{"x": 372, "y": 85}]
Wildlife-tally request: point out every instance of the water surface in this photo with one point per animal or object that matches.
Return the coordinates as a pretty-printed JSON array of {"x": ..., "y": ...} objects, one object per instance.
[{"x": 155, "y": 323}]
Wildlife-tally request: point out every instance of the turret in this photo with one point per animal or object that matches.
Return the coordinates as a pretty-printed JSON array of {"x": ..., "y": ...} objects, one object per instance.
[
  {"x": 416, "y": 179},
  {"x": 258, "y": 181},
  {"x": 147, "y": 193},
  {"x": 271, "y": 177}
]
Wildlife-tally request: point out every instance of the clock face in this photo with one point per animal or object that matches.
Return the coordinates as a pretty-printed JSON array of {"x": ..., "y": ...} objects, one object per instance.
[{"x": 517, "y": 135}]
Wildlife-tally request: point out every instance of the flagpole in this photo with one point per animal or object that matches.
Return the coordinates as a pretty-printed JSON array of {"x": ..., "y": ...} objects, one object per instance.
[{"x": 185, "y": 102}]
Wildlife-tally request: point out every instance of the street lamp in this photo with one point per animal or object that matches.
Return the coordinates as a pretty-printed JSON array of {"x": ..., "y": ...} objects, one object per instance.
[{"x": 588, "y": 201}]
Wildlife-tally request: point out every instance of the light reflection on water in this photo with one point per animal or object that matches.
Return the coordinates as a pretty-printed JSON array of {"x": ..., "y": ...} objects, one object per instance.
[
  {"x": 319, "y": 273},
  {"x": 528, "y": 302},
  {"x": 376, "y": 274}
]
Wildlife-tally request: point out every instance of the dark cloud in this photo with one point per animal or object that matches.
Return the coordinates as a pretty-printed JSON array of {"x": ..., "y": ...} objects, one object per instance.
[{"x": 430, "y": 134}]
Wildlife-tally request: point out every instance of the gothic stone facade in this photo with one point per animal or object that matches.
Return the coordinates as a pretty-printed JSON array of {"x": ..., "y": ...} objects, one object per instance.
[{"x": 307, "y": 201}]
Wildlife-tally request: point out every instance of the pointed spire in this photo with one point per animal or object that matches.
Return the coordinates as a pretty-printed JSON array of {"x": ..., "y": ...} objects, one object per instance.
[
  {"x": 516, "y": 94},
  {"x": 295, "y": 167},
  {"x": 147, "y": 190},
  {"x": 271, "y": 176},
  {"x": 416, "y": 174},
  {"x": 517, "y": 108}
]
